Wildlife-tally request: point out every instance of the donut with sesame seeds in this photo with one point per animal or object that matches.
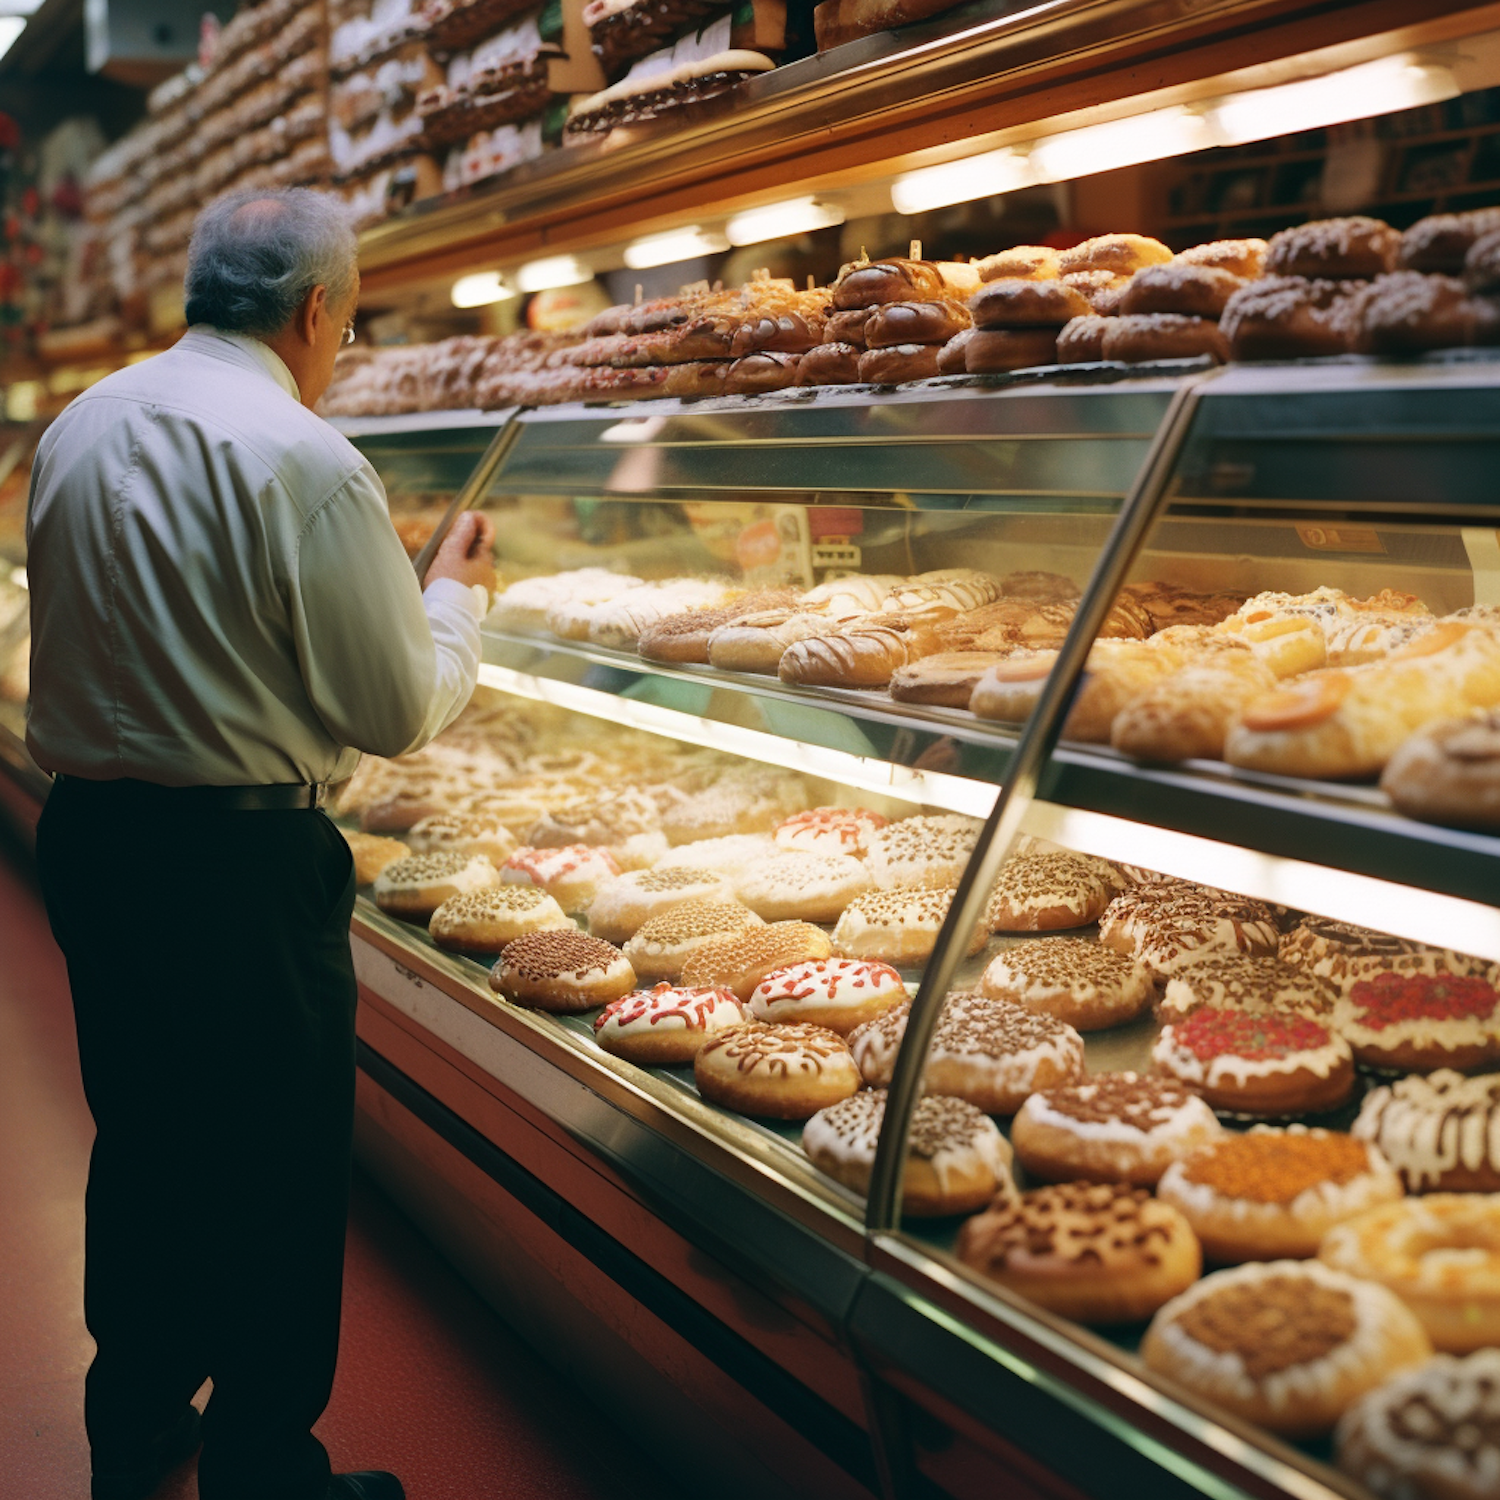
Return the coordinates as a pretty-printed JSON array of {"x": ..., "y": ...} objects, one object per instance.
[
  {"x": 740, "y": 961},
  {"x": 1043, "y": 892},
  {"x": 485, "y": 921},
  {"x": 663, "y": 944},
  {"x": 414, "y": 888},
  {"x": 777, "y": 1072},
  {"x": 1089, "y": 986},
  {"x": 791, "y": 885},
  {"x": 666, "y": 1024},
  {"x": 623, "y": 906},
  {"x": 898, "y": 926},
  {"x": 562, "y": 972},
  {"x": 839, "y": 993}
]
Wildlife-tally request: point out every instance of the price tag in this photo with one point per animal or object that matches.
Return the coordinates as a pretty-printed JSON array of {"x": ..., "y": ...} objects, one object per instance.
[{"x": 1341, "y": 538}]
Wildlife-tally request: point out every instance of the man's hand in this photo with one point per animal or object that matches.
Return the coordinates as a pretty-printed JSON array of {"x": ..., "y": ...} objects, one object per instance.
[{"x": 468, "y": 553}]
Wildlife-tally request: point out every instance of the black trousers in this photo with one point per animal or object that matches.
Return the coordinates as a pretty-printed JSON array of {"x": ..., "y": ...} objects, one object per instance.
[{"x": 208, "y": 956}]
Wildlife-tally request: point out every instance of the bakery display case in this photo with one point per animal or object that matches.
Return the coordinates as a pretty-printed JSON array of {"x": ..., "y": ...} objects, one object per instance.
[{"x": 1337, "y": 504}]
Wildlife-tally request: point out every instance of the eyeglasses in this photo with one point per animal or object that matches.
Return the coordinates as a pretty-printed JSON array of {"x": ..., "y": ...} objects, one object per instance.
[{"x": 348, "y": 335}]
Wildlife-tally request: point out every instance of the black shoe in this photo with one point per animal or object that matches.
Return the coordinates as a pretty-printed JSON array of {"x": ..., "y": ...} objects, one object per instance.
[
  {"x": 166, "y": 1451},
  {"x": 369, "y": 1484}
]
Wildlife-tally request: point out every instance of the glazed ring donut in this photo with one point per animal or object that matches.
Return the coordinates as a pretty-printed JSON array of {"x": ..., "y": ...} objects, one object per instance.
[
  {"x": 1093, "y": 1252},
  {"x": 838, "y": 993},
  {"x": 1440, "y": 1132},
  {"x": 415, "y": 887},
  {"x": 1081, "y": 341},
  {"x": 1439, "y": 1254},
  {"x": 1088, "y": 986},
  {"x": 562, "y": 972},
  {"x": 914, "y": 323},
  {"x": 1429, "y": 1431},
  {"x": 780, "y": 1072},
  {"x": 1449, "y": 773},
  {"x": 1439, "y": 243},
  {"x": 898, "y": 363},
  {"x": 1273, "y": 1193},
  {"x": 1180, "y": 287},
  {"x": 1419, "y": 1023},
  {"x": 997, "y": 351},
  {"x": 662, "y": 944},
  {"x": 666, "y": 1024},
  {"x": 485, "y": 921},
  {"x": 1289, "y": 317},
  {"x": 1286, "y": 1344},
  {"x": 626, "y": 904},
  {"x": 1266, "y": 1066},
  {"x": 1355, "y": 247},
  {"x": 1148, "y": 336},
  {"x": 1244, "y": 258},
  {"x": 957, "y": 1161},
  {"x": 829, "y": 364},
  {"x": 1113, "y": 1127},
  {"x": 1015, "y": 303},
  {"x": 1119, "y": 254}
]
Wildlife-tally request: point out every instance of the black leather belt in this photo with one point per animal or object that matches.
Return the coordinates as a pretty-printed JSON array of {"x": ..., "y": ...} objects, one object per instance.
[{"x": 281, "y": 797}]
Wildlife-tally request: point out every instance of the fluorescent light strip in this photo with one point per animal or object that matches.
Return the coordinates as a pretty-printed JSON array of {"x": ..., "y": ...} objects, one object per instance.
[
  {"x": 11, "y": 28},
  {"x": 779, "y": 221},
  {"x": 865, "y": 773},
  {"x": 553, "y": 271},
  {"x": 1119, "y": 143},
  {"x": 480, "y": 290},
  {"x": 1424, "y": 916},
  {"x": 981, "y": 176},
  {"x": 674, "y": 245}
]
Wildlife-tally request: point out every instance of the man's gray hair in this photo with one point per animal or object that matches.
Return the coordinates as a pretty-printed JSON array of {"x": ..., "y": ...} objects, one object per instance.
[{"x": 255, "y": 256}]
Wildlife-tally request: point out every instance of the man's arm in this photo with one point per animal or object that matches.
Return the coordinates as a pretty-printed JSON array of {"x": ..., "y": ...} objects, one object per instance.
[{"x": 387, "y": 666}]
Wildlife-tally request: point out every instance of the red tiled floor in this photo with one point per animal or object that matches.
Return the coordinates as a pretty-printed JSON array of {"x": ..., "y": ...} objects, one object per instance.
[{"x": 431, "y": 1384}]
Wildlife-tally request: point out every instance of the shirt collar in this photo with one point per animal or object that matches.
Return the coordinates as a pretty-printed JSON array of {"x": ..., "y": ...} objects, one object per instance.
[{"x": 269, "y": 359}]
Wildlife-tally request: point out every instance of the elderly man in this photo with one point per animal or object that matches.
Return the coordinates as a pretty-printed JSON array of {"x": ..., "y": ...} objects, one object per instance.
[{"x": 223, "y": 618}]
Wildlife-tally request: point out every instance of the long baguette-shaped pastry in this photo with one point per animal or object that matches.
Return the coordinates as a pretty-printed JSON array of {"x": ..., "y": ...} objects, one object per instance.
[
  {"x": 858, "y": 654},
  {"x": 1348, "y": 722}
]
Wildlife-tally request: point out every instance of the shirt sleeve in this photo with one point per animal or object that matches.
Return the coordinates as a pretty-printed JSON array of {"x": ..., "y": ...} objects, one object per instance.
[{"x": 386, "y": 666}]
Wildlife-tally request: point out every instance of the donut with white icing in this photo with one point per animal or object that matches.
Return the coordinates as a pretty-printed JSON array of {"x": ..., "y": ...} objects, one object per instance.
[
  {"x": 830, "y": 830},
  {"x": 1344, "y": 954},
  {"x": 1085, "y": 984},
  {"x": 1043, "y": 892},
  {"x": 663, "y": 944},
  {"x": 372, "y": 853},
  {"x": 414, "y": 888},
  {"x": 839, "y": 993},
  {"x": 1271, "y": 1193},
  {"x": 1440, "y": 1132},
  {"x": 1113, "y": 1127},
  {"x": 666, "y": 1024},
  {"x": 1269, "y": 1066},
  {"x": 794, "y": 885},
  {"x": 1094, "y": 1252},
  {"x": 957, "y": 1161},
  {"x": 463, "y": 833},
  {"x": 485, "y": 921},
  {"x": 1432, "y": 1433},
  {"x": 742, "y": 960},
  {"x": 778, "y": 1072},
  {"x": 571, "y": 875},
  {"x": 1421, "y": 1022},
  {"x": 1166, "y": 928},
  {"x": 928, "y": 850},
  {"x": 898, "y": 925},
  {"x": 1289, "y": 1345},
  {"x": 1239, "y": 982},
  {"x": 624, "y": 905},
  {"x": 563, "y": 972}
]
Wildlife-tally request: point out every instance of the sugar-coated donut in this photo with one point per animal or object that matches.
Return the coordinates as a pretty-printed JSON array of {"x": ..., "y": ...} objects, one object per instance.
[
  {"x": 996, "y": 351},
  {"x": 792, "y": 884},
  {"x": 924, "y": 850},
  {"x": 898, "y": 925},
  {"x": 830, "y": 830},
  {"x": 1094, "y": 1252},
  {"x": 1482, "y": 263},
  {"x": 1081, "y": 340},
  {"x": 572, "y": 875},
  {"x": 1344, "y": 954},
  {"x": 829, "y": 364},
  {"x": 1287, "y": 1344},
  {"x": 898, "y": 363},
  {"x": 1353, "y": 247},
  {"x": 1179, "y": 286},
  {"x": 1432, "y": 1433},
  {"x": 414, "y": 888},
  {"x": 1439, "y": 1254},
  {"x": 914, "y": 323},
  {"x": 463, "y": 833},
  {"x": 1290, "y": 317},
  {"x": 666, "y": 1024},
  {"x": 1274, "y": 1193},
  {"x": 1142, "y": 337},
  {"x": 625, "y": 904},
  {"x": 1239, "y": 982},
  {"x": 839, "y": 993},
  {"x": 1024, "y": 262},
  {"x": 562, "y": 972},
  {"x": 1088, "y": 986},
  {"x": 662, "y": 944},
  {"x": 1439, "y": 243},
  {"x": 1269, "y": 1066},
  {"x": 739, "y": 962},
  {"x": 1449, "y": 772},
  {"x": 782, "y": 1072},
  {"x": 1245, "y": 258},
  {"x": 1113, "y": 1127},
  {"x": 730, "y": 853},
  {"x": 1018, "y": 303},
  {"x": 1408, "y": 312},
  {"x": 1422, "y": 1022},
  {"x": 485, "y": 921},
  {"x": 1441, "y": 1132},
  {"x": 372, "y": 853},
  {"x": 1043, "y": 892},
  {"x": 957, "y": 1161},
  {"x": 1120, "y": 254},
  {"x": 989, "y": 1052}
]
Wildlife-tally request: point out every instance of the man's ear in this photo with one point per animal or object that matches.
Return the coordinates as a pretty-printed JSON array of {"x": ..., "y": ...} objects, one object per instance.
[{"x": 314, "y": 306}]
